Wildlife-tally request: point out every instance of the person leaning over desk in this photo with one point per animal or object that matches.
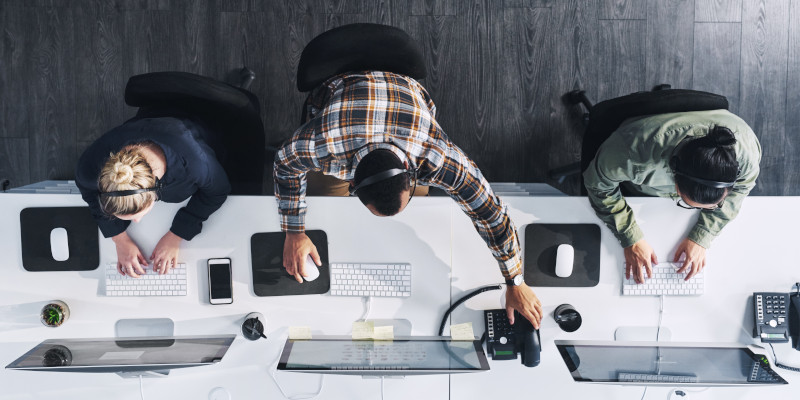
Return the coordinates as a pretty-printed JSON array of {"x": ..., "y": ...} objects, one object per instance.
[
  {"x": 705, "y": 160},
  {"x": 124, "y": 172},
  {"x": 378, "y": 131}
]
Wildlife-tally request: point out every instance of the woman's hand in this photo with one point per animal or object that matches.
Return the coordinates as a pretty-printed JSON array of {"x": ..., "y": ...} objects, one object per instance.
[
  {"x": 695, "y": 259},
  {"x": 130, "y": 260},
  {"x": 639, "y": 255},
  {"x": 165, "y": 255}
]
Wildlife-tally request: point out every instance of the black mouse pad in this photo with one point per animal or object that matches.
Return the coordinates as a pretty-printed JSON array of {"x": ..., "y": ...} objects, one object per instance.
[
  {"x": 541, "y": 243},
  {"x": 36, "y": 223},
  {"x": 269, "y": 276}
]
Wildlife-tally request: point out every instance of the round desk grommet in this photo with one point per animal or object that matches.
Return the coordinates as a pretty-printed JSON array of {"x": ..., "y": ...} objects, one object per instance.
[{"x": 219, "y": 393}]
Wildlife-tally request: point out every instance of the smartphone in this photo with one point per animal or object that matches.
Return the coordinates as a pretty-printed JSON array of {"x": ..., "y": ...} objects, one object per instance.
[{"x": 220, "y": 289}]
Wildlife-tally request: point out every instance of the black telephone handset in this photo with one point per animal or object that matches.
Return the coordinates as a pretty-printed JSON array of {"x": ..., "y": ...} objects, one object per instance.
[
  {"x": 528, "y": 341},
  {"x": 794, "y": 320}
]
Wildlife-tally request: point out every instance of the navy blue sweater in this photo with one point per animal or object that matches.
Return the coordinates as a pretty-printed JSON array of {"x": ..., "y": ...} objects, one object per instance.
[{"x": 192, "y": 171}]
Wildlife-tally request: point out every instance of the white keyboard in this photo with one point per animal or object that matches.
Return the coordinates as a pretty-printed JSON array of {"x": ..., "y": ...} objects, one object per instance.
[
  {"x": 634, "y": 377},
  {"x": 173, "y": 283},
  {"x": 376, "y": 280},
  {"x": 664, "y": 281}
]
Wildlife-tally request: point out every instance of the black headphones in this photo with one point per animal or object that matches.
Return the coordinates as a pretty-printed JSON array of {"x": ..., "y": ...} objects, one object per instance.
[
  {"x": 382, "y": 176},
  {"x": 121, "y": 193},
  {"x": 673, "y": 164}
]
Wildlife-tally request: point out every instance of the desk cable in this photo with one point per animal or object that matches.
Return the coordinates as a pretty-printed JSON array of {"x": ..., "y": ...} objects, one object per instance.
[
  {"x": 367, "y": 300},
  {"x": 141, "y": 389},
  {"x": 299, "y": 396},
  {"x": 658, "y": 336},
  {"x": 779, "y": 365}
]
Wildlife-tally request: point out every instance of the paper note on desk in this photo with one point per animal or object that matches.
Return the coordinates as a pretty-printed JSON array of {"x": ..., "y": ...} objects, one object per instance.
[
  {"x": 384, "y": 332},
  {"x": 299, "y": 332},
  {"x": 363, "y": 330},
  {"x": 462, "y": 331}
]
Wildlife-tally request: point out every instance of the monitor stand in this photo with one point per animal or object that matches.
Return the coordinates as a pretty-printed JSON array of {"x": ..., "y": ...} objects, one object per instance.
[
  {"x": 144, "y": 327},
  {"x": 642, "y": 334}
]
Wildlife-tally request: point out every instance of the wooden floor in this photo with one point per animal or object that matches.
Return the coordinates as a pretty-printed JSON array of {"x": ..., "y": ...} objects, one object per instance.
[{"x": 497, "y": 68}]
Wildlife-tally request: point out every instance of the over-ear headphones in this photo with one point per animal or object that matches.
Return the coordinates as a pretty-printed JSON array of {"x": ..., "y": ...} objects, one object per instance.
[
  {"x": 673, "y": 164},
  {"x": 121, "y": 193},
  {"x": 384, "y": 175}
]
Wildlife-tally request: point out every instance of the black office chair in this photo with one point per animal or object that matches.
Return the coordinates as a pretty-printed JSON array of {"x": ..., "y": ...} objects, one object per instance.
[
  {"x": 358, "y": 47},
  {"x": 604, "y": 118},
  {"x": 234, "y": 112}
]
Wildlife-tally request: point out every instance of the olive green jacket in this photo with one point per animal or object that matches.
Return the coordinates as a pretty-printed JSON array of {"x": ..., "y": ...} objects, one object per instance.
[{"x": 638, "y": 154}]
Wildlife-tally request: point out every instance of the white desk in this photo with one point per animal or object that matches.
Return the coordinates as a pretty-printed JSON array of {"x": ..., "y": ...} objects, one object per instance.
[
  {"x": 421, "y": 236},
  {"x": 434, "y": 236},
  {"x": 742, "y": 260}
]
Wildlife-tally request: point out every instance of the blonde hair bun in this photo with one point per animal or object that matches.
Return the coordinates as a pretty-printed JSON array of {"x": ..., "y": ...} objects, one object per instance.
[{"x": 123, "y": 173}]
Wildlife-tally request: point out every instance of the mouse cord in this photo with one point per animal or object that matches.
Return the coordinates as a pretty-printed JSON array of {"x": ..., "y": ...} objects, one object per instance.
[
  {"x": 367, "y": 300},
  {"x": 141, "y": 389},
  {"x": 644, "y": 393},
  {"x": 779, "y": 365},
  {"x": 299, "y": 396}
]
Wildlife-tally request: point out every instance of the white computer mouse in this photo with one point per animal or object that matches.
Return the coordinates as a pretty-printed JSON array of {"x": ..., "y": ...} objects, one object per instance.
[
  {"x": 311, "y": 270},
  {"x": 565, "y": 259},
  {"x": 59, "y": 246}
]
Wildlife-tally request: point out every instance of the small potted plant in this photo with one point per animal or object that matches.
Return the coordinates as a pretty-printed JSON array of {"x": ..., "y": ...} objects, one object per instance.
[{"x": 55, "y": 313}]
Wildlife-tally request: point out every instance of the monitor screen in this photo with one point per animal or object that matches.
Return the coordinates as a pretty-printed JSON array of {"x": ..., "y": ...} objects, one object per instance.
[
  {"x": 654, "y": 363},
  {"x": 124, "y": 354},
  {"x": 401, "y": 356}
]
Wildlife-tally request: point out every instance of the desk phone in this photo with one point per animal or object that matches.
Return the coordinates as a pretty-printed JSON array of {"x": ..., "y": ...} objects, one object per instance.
[{"x": 771, "y": 312}]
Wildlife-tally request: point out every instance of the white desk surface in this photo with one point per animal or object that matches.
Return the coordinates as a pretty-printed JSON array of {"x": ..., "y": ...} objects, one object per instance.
[{"x": 442, "y": 245}]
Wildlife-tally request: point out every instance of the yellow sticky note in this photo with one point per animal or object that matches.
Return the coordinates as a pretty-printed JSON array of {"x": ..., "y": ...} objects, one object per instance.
[
  {"x": 462, "y": 331},
  {"x": 299, "y": 332},
  {"x": 384, "y": 332},
  {"x": 363, "y": 330}
]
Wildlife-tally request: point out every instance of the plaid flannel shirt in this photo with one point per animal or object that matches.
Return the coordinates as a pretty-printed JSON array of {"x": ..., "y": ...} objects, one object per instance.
[{"x": 352, "y": 114}]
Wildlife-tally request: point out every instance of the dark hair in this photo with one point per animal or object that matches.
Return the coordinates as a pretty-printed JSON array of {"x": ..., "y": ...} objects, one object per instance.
[
  {"x": 383, "y": 195},
  {"x": 711, "y": 157}
]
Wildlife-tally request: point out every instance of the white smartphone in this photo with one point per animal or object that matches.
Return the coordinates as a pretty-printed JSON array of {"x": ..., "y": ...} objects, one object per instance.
[{"x": 220, "y": 288}]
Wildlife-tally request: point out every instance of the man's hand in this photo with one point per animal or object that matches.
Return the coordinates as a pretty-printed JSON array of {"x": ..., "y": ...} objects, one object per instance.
[
  {"x": 522, "y": 299},
  {"x": 637, "y": 255},
  {"x": 295, "y": 249},
  {"x": 130, "y": 260},
  {"x": 695, "y": 259},
  {"x": 165, "y": 255}
]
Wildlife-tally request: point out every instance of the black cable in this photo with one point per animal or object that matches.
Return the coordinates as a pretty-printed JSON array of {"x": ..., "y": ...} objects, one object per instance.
[
  {"x": 779, "y": 365},
  {"x": 463, "y": 299}
]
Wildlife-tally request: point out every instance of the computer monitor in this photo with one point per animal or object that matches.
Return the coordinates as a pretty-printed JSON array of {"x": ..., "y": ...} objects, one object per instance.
[
  {"x": 666, "y": 363},
  {"x": 124, "y": 355},
  {"x": 419, "y": 355}
]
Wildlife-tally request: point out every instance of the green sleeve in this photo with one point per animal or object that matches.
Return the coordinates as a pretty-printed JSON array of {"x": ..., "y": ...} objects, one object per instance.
[
  {"x": 710, "y": 223},
  {"x": 612, "y": 166}
]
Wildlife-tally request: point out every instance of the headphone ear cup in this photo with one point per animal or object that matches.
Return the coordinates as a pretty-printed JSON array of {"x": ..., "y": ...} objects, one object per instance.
[{"x": 673, "y": 163}]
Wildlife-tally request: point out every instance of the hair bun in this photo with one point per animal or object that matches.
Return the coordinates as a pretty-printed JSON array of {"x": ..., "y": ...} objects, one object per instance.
[
  {"x": 123, "y": 173},
  {"x": 721, "y": 137}
]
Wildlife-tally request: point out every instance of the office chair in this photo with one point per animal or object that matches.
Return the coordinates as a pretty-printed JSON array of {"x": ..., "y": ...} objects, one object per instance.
[
  {"x": 234, "y": 112},
  {"x": 603, "y": 118},
  {"x": 355, "y": 47}
]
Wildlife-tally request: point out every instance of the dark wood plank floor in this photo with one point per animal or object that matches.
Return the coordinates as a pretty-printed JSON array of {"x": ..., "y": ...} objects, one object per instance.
[{"x": 497, "y": 68}]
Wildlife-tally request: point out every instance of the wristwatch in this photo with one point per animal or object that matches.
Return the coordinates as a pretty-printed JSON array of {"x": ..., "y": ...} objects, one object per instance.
[{"x": 516, "y": 280}]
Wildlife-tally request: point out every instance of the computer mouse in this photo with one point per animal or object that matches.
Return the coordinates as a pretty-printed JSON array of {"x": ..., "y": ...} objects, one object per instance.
[
  {"x": 59, "y": 245},
  {"x": 565, "y": 258},
  {"x": 311, "y": 270}
]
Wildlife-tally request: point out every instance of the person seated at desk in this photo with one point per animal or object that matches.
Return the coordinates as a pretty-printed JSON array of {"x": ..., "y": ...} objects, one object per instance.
[
  {"x": 360, "y": 125},
  {"x": 705, "y": 160},
  {"x": 124, "y": 172}
]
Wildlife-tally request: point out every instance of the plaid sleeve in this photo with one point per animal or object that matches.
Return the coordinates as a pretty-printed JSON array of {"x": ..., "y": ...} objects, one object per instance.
[
  {"x": 292, "y": 162},
  {"x": 464, "y": 182}
]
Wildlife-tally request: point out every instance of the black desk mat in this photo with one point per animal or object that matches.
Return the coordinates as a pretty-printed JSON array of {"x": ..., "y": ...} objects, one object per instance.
[
  {"x": 541, "y": 243},
  {"x": 36, "y": 223},
  {"x": 269, "y": 276}
]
